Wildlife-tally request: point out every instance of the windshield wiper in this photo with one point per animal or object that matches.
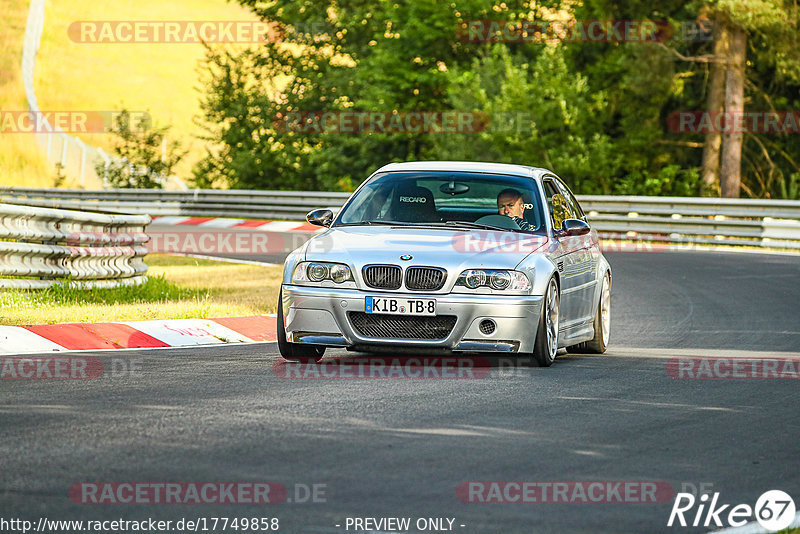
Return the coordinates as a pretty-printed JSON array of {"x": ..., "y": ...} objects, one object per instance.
[
  {"x": 477, "y": 225},
  {"x": 448, "y": 224},
  {"x": 375, "y": 223}
]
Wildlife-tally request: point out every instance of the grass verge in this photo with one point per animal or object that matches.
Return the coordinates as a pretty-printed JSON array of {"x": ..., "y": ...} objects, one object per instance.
[
  {"x": 160, "y": 78},
  {"x": 177, "y": 288},
  {"x": 22, "y": 162}
]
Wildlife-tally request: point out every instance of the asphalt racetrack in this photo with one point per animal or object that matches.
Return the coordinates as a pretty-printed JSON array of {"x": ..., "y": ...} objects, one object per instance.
[{"x": 402, "y": 448}]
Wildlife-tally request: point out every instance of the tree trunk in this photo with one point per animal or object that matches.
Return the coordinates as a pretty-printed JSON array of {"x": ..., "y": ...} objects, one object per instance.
[
  {"x": 715, "y": 106},
  {"x": 731, "y": 170}
]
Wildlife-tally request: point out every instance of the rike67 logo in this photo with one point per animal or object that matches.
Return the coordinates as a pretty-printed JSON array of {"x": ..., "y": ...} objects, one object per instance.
[{"x": 774, "y": 511}]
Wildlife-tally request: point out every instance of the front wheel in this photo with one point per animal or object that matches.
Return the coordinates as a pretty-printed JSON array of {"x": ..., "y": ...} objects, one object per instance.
[
  {"x": 296, "y": 352},
  {"x": 546, "y": 344}
]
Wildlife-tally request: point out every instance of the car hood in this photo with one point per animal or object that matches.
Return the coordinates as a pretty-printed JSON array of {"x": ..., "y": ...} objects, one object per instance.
[{"x": 451, "y": 249}]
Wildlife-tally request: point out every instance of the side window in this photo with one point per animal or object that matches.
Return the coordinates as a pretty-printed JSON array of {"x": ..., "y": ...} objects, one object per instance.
[
  {"x": 573, "y": 202},
  {"x": 557, "y": 204}
]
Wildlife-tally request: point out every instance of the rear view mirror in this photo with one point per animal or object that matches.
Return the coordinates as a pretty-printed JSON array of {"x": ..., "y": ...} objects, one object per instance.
[{"x": 454, "y": 188}]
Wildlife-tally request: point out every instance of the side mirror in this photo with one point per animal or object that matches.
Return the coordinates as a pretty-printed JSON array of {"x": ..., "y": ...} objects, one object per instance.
[
  {"x": 321, "y": 217},
  {"x": 572, "y": 227}
]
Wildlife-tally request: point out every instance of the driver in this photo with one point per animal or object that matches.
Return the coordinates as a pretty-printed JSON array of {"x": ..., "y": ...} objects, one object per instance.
[{"x": 509, "y": 203}]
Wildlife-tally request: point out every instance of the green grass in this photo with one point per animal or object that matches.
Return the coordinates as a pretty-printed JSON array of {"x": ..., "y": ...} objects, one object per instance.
[
  {"x": 22, "y": 162},
  {"x": 177, "y": 288},
  {"x": 161, "y": 78},
  {"x": 63, "y": 303},
  {"x": 156, "y": 289}
]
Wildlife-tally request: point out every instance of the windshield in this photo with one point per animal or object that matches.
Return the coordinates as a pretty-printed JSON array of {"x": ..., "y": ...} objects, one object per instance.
[{"x": 457, "y": 199}]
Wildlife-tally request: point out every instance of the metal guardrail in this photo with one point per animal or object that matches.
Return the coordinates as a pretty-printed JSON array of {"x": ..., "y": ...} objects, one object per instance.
[
  {"x": 284, "y": 205},
  {"x": 700, "y": 221},
  {"x": 40, "y": 247},
  {"x": 749, "y": 222}
]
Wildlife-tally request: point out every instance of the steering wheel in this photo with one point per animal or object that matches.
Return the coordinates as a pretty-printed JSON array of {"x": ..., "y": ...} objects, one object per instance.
[{"x": 500, "y": 221}]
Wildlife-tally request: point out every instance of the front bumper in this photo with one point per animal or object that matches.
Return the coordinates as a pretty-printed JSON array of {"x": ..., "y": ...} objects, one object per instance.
[{"x": 319, "y": 316}]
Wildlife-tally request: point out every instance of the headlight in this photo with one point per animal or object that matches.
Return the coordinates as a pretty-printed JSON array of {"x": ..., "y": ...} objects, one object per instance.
[
  {"x": 340, "y": 273},
  {"x": 495, "y": 279},
  {"x": 317, "y": 271},
  {"x": 500, "y": 280},
  {"x": 474, "y": 278}
]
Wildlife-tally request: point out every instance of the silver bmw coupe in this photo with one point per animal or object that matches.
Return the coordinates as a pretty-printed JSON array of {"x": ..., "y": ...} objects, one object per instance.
[{"x": 455, "y": 257}]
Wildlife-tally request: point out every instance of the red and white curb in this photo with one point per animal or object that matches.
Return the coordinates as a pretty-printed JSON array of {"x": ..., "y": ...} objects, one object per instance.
[
  {"x": 32, "y": 339},
  {"x": 223, "y": 222}
]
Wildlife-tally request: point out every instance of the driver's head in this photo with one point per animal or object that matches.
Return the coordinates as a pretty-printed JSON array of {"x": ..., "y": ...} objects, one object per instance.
[{"x": 509, "y": 203}]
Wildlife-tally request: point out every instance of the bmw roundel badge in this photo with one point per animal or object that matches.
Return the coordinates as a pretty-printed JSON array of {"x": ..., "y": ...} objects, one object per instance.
[{"x": 406, "y": 257}]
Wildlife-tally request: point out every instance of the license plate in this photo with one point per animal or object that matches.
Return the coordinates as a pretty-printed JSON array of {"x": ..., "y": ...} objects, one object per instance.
[{"x": 400, "y": 306}]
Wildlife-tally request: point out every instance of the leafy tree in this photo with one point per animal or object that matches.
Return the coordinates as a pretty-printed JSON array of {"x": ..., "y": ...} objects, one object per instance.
[
  {"x": 596, "y": 112},
  {"x": 539, "y": 112},
  {"x": 768, "y": 29},
  {"x": 142, "y": 159},
  {"x": 344, "y": 55}
]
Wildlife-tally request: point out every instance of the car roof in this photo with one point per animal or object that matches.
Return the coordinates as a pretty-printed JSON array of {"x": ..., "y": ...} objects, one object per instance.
[{"x": 473, "y": 166}]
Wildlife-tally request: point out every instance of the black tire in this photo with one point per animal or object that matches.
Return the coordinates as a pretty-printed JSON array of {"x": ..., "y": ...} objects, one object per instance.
[
  {"x": 602, "y": 323},
  {"x": 295, "y": 352},
  {"x": 546, "y": 344}
]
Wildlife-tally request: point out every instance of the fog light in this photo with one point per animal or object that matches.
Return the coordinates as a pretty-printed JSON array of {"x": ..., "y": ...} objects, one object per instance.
[{"x": 487, "y": 327}]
